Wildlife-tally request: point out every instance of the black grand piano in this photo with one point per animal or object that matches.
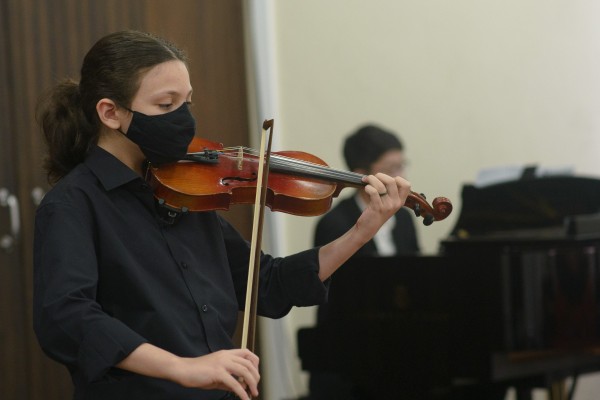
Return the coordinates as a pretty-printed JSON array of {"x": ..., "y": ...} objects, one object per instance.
[{"x": 513, "y": 300}]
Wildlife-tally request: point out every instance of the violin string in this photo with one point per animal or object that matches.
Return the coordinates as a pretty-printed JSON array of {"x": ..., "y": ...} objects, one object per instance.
[
  {"x": 301, "y": 166},
  {"x": 308, "y": 167},
  {"x": 295, "y": 163}
]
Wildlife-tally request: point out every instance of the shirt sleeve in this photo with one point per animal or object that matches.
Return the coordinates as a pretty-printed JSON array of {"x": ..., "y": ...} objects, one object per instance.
[
  {"x": 284, "y": 281},
  {"x": 70, "y": 325}
]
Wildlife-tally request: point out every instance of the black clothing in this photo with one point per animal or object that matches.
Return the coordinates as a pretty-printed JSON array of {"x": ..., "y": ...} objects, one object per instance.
[
  {"x": 345, "y": 214},
  {"x": 110, "y": 274}
]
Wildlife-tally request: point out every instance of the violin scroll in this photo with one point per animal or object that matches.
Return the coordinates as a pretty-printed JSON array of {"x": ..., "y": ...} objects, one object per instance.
[{"x": 441, "y": 207}]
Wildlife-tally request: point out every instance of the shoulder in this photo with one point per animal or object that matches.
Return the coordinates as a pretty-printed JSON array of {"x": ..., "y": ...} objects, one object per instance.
[
  {"x": 75, "y": 181},
  {"x": 336, "y": 222},
  {"x": 74, "y": 190},
  {"x": 405, "y": 214},
  {"x": 405, "y": 219}
]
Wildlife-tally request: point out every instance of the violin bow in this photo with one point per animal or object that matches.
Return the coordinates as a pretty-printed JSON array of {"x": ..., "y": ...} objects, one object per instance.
[{"x": 249, "y": 322}]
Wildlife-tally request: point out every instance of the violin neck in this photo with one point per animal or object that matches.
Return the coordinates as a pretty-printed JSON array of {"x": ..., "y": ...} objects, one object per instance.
[{"x": 312, "y": 170}]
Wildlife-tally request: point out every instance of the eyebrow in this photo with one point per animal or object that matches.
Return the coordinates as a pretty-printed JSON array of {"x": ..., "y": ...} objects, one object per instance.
[{"x": 173, "y": 92}]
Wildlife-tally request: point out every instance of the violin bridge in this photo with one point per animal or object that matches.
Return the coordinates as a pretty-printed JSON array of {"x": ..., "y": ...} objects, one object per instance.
[{"x": 240, "y": 158}]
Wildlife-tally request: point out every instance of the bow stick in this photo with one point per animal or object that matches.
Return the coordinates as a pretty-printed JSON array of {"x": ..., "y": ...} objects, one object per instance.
[{"x": 249, "y": 323}]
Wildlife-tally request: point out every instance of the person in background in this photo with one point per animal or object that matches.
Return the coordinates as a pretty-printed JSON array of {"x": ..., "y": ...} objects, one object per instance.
[
  {"x": 369, "y": 150},
  {"x": 135, "y": 303}
]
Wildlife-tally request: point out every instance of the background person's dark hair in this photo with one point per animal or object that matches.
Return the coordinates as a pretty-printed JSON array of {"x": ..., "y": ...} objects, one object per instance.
[
  {"x": 111, "y": 69},
  {"x": 367, "y": 144}
]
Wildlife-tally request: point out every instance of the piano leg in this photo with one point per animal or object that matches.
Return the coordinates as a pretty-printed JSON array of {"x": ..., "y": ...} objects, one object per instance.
[{"x": 557, "y": 390}]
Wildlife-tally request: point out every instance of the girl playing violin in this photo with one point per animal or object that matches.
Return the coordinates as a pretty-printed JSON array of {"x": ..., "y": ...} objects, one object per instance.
[{"x": 135, "y": 306}]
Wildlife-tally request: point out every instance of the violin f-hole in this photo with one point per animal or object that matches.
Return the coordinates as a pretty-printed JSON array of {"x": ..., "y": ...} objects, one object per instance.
[{"x": 225, "y": 181}]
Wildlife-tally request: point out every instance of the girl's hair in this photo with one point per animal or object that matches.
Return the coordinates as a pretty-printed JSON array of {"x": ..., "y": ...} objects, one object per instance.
[{"x": 112, "y": 69}]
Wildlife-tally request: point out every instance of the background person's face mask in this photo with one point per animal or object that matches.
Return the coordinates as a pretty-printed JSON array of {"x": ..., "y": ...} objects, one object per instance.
[{"x": 163, "y": 138}]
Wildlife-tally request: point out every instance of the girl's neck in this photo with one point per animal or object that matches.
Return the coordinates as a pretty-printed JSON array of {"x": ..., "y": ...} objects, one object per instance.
[{"x": 123, "y": 149}]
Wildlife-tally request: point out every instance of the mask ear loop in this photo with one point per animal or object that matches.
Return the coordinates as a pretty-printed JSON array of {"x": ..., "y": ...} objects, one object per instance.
[
  {"x": 124, "y": 106},
  {"x": 128, "y": 109}
]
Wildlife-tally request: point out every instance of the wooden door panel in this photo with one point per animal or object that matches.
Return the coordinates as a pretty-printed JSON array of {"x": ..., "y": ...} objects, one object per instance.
[
  {"x": 13, "y": 344},
  {"x": 43, "y": 41}
]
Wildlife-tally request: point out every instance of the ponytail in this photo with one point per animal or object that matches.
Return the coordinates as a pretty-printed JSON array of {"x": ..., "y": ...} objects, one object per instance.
[{"x": 68, "y": 133}]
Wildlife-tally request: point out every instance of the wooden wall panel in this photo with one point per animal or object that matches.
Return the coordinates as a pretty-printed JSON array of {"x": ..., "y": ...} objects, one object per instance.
[{"x": 44, "y": 41}]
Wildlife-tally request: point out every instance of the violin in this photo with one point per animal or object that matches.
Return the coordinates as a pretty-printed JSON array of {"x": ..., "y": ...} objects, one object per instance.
[{"x": 212, "y": 177}]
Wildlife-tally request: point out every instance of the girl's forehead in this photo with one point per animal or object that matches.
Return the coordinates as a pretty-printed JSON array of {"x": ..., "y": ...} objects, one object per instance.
[{"x": 167, "y": 77}]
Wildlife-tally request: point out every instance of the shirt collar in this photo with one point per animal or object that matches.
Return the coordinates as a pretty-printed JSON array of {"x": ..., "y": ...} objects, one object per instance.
[{"x": 108, "y": 169}]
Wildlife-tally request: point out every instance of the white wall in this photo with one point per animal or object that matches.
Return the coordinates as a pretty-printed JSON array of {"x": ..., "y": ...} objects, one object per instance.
[{"x": 466, "y": 83}]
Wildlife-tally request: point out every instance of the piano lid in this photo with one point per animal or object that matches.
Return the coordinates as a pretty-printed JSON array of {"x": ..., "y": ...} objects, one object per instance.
[{"x": 527, "y": 205}]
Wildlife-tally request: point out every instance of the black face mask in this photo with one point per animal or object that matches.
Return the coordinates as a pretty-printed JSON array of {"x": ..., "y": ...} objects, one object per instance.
[{"x": 163, "y": 138}]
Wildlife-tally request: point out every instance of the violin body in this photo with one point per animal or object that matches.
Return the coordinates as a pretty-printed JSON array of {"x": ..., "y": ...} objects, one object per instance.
[
  {"x": 299, "y": 183},
  {"x": 199, "y": 186}
]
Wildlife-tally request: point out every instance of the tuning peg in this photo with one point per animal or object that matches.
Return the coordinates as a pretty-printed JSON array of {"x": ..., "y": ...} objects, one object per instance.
[
  {"x": 428, "y": 220},
  {"x": 417, "y": 209}
]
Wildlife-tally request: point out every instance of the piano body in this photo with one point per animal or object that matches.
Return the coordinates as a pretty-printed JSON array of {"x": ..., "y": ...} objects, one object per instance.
[{"x": 513, "y": 300}]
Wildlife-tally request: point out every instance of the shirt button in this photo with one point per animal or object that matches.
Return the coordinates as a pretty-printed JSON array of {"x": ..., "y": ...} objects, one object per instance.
[
  {"x": 204, "y": 308},
  {"x": 184, "y": 265}
]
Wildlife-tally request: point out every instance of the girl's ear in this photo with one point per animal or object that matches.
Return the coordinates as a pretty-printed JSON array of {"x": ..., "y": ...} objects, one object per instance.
[{"x": 110, "y": 114}]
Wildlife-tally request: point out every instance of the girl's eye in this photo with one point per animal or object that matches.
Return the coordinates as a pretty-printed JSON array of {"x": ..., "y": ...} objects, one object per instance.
[{"x": 165, "y": 106}]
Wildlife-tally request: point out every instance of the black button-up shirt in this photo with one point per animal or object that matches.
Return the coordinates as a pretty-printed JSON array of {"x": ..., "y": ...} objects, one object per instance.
[{"x": 111, "y": 274}]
